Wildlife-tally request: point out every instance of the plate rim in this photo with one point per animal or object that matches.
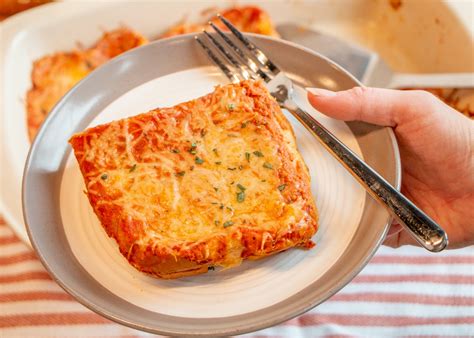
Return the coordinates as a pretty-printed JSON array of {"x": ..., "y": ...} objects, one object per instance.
[{"x": 263, "y": 324}]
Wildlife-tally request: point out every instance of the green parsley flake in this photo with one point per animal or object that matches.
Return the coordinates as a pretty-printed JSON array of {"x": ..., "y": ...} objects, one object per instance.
[
  {"x": 198, "y": 160},
  {"x": 176, "y": 151},
  {"x": 132, "y": 169},
  {"x": 218, "y": 162},
  {"x": 193, "y": 145},
  {"x": 193, "y": 151},
  {"x": 241, "y": 187},
  {"x": 181, "y": 173},
  {"x": 231, "y": 168},
  {"x": 267, "y": 165},
  {"x": 247, "y": 156},
  {"x": 240, "y": 196},
  {"x": 215, "y": 151},
  {"x": 243, "y": 125},
  {"x": 231, "y": 106},
  {"x": 216, "y": 222},
  {"x": 104, "y": 177},
  {"x": 228, "y": 224},
  {"x": 282, "y": 187},
  {"x": 216, "y": 189},
  {"x": 258, "y": 153}
]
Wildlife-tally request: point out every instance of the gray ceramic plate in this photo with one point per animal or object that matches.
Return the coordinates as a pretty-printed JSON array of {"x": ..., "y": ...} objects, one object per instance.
[{"x": 80, "y": 257}]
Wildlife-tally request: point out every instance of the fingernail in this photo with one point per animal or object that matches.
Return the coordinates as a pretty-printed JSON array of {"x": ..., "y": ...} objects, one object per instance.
[{"x": 321, "y": 92}]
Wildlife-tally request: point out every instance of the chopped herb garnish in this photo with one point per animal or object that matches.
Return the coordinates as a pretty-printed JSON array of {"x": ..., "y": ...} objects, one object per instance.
[
  {"x": 231, "y": 106},
  {"x": 176, "y": 151},
  {"x": 132, "y": 169},
  {"x": 264, "y": 180},
  {"x": 228, "y": 224},
  {"x": 216, "y": 222},
  {"x": 232, "y": 182},
  {"x": 258, "y": 153},
  {"x": 241, "y": 167},
  {"x": 243, "y": 125},
  {"x": 104, "y": 177},
  {"x": 247, "y": 156},
  {"x": 215, "y": 151},
  {"x": 181, "y": 173},
  {"x": 214, "y": 203},
  {"x": 221, "y": 206},
  {"x": 218, "y": 162},
  {"x": 267, "y": 165},
  {"x": 193, "y": 145},
  {"x": 229, "y": 208},
  {"x": 193, "y": 151},
  {"x": 198, "y": 160},
  {"x": 216, "y": 189},
  {"x": 241, "y": 187},
  {"x": 240, "y": 196},
  {"x": 282, "y": 187},
  {"x": 210, "y": 268},
  {"x": 231, "y": 168}
]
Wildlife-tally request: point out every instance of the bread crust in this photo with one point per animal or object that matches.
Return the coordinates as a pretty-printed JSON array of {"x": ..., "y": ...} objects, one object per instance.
[{"x": 246, "y": 149}]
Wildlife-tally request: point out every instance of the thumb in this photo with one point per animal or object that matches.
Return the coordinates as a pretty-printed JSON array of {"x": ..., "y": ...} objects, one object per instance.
[{"x": 384, "y": 107}]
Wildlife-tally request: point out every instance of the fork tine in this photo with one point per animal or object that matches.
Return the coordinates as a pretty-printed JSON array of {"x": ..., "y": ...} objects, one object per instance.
[
  {"x": 245, "y": 73},
  {"x": 230, "y": 75},
  {"x": 248, "y": 61},
  {"x": 261, "y": 57}
]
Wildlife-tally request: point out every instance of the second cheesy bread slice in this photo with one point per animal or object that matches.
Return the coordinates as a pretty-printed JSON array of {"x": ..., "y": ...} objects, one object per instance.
[{"x": 205, "y": 183}]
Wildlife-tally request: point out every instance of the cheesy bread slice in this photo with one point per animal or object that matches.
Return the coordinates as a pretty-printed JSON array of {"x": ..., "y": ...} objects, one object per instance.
[
  {"x": 206, "y": 183},
  {"x": 54, "y": 75},
  {"x": 250, "y": 19}
]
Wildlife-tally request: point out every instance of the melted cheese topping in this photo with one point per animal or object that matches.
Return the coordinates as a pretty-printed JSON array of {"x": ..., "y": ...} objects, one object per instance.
[{"x": 205, "y": 168}]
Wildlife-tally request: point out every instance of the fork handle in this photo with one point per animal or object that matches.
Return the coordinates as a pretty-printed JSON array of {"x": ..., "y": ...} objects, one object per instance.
[{"x": 429, "y": 234}]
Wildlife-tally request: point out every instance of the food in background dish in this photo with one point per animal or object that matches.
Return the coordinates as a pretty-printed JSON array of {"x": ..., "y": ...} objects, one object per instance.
[
  {"x": 53, "y": 75},
  {"x": 249, "y": 19},
  {"x": 209, "y": 182},
  {"x": 453, "y": 97}
]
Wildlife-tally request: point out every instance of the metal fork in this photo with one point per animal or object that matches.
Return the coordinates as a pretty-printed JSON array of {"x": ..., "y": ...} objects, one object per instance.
[{"x": 249, "y": 62}]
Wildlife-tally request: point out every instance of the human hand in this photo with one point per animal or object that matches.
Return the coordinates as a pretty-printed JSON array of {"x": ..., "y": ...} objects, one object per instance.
[{"x": 436, "y": 147}]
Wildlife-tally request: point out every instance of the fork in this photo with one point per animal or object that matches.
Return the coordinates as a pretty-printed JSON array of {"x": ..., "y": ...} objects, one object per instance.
[{"x": 249, "y": 62}]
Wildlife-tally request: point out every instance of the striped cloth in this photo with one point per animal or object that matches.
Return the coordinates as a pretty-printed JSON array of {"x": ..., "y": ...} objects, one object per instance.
[{"x": 406, "y": 292}]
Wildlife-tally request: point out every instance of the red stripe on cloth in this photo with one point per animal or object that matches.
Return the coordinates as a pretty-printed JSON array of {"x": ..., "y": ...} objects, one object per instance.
[
  {"x": 404, "y": 298},
  {"x": 368, "y": 320},
  {"x": 18, "y": 258},
  {"x": 34, "y": 295},
  {"x": 52, "y": 319},
  {"x": 25, "y": 276},
  {"x": 386, "y": 259},
  {"x": 447, "y": 279},
  {"x": 9, "y": 240}
]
